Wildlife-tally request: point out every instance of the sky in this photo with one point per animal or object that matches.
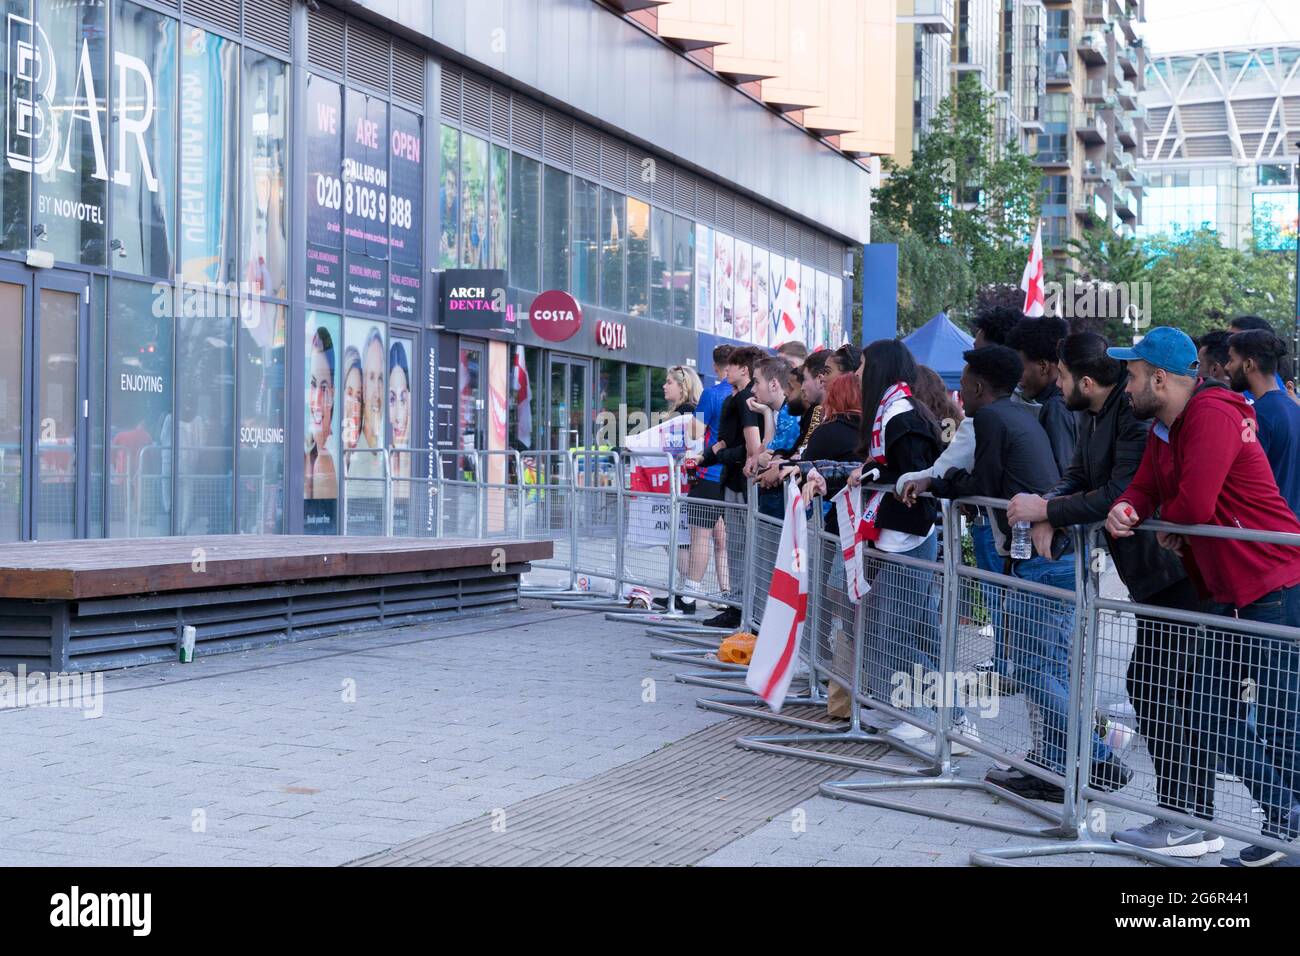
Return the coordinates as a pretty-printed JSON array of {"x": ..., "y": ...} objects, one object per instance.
[{"x": 1175, "y": 25}]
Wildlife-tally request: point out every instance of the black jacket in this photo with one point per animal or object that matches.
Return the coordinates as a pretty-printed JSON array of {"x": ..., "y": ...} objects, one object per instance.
[
  {"x": 836, "y": 439},
  {"x": 1060, "y": 424},
  {"x": 911, "y": 444},
  {"x": 1106, "y": 458},
  {"x": 1012, "y": 455}
]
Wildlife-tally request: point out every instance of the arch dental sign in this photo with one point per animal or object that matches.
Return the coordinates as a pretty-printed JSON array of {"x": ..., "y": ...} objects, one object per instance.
[
  {"x": 35, "y": 130},
  {"x": 555, "y": 316}
]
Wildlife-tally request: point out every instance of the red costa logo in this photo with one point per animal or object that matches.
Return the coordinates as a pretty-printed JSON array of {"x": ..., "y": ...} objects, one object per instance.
[
  {"x": 555, "y": 316},
  {"x": 612, "y": 335}
]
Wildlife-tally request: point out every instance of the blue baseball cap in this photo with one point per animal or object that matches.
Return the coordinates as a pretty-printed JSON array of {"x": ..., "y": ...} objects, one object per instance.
[{"x": 1164, "y": 347}]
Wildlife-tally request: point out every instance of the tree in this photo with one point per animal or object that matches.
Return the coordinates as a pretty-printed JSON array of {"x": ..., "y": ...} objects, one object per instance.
[
  {"x": 931, "y": 279},
  {"x": 1198, "y": 284},
  {"x": 1103, "y": 259},
  {"x": 962, "y": 192}
]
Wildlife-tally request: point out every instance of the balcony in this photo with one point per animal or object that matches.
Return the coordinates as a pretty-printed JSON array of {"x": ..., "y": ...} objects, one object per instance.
[
  {"x": 1126, "y": 230},
  {"x": 1126, "y": 167},
  {"x": 1092, "y": 47},
  {"x": 1125, "y": 204},
  {"x": 932, "y": 16},
  {"x": 1127, "y": 93},
  {"x": 1091, "y": 126},
  {"x": 1094, "y": 11},
  {"x": 1091, "y": 172},
  {"x": 1057, "y": 68},
  {"x": 1127, "y": 57},
  {"x": 1052, "y": 156},
  {"x": 1095, "y": 91},
  {"x": 1128, "y": 25},
  {"x": 1084, "y": 207},
  {"x": 1125, "y": 130}
]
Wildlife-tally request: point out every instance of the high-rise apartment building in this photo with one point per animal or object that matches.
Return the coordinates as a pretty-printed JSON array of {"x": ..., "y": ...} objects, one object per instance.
[{"x": 1064, "y": 76}]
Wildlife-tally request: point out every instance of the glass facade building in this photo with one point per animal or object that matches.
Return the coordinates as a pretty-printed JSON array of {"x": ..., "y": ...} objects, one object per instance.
[{"x": 226, "y": 232}]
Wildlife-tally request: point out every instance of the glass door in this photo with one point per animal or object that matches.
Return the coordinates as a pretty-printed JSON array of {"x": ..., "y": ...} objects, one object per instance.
[
  {"x": 59, "y": 415},
  {"x": 14, "y": 296},
  {"x": 43, "y": 406},
  {"x": 471, "y": 433},
  {"x": 569, "y": 407}
]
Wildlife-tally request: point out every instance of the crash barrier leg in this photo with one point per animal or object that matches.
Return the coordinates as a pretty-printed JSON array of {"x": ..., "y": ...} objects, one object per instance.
[
  {"x": 763, "y": 539},
  {"x": 1033, "y": 614}
]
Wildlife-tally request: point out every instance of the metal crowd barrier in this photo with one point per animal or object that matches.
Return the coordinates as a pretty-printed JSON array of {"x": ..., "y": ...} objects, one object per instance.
[{"x": 1068, "y": 661}]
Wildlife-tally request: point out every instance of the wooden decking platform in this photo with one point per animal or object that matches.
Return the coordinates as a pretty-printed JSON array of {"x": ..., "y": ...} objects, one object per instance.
[{"x": 94, "y": 604}]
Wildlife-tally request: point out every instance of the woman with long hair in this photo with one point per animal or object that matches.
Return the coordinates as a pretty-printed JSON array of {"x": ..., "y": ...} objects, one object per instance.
[
  {"x": 320, "y": 475},
  {"x": 682, "y": 389},
  {"x": 934, "y": 394},
  {"x": 898, "y": 434}
]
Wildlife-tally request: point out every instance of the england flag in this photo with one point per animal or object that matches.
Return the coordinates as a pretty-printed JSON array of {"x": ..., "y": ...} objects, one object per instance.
[{"x": 777, "y": 647}]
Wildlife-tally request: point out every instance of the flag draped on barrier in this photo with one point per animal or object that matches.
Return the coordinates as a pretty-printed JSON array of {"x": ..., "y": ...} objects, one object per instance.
[
  {"x": 772, "y": 666},
  {"x": 649, "y": 512},
  {"x": 848, "y": 511}
]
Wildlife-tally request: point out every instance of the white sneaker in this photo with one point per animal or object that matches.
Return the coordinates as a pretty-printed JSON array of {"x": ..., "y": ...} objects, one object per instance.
[{"x": 965, "y": 727}]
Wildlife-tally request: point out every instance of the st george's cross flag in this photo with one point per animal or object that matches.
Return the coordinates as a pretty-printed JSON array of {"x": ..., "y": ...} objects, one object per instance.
[
  {"x": 777, "y": 647},
  {"x": 848, "y": 511},
  {"x": 1032, "y": 280},
  {"x": 788, "y": 321}
]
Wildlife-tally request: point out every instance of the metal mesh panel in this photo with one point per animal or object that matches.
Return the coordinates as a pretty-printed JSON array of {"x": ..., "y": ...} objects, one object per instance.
[
  {"x": 767, "y": 539},
  {"x": 902, "y": 631},
  {"x": 718, "y": 551},
  {"x": 831, "y": 612},
  {"x": 548, "y": 504},
  {"x": 1211, "y": 732}
]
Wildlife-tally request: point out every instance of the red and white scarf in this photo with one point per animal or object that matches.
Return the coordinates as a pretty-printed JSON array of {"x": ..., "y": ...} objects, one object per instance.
[
  {"x": 857, "y": 525},
  {"x": 897, "y": 398}
]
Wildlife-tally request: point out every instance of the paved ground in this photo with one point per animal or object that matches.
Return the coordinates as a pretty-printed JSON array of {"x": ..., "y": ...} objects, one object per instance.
[{"x": 329, "y": 751}]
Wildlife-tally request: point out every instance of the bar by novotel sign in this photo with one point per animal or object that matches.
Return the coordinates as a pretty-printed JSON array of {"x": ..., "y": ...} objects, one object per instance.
[
  {"x": 555, "y": 316},
  {"x": 475, "y": 299}
]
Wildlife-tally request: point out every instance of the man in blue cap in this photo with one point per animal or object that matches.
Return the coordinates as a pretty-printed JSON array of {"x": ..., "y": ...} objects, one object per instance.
[{"x": 1203, "y": 465}]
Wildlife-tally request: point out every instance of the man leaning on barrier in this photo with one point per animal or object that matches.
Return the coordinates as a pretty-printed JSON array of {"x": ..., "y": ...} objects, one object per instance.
[
  {"x": 1159, "y": 681},
  {"x": 1013, "y": 455},
  {"x": 1204, "y": 466}
]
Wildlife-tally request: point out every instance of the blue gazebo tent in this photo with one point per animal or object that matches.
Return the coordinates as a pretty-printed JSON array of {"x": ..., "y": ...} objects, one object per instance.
[{"x": 939, "y": 344}]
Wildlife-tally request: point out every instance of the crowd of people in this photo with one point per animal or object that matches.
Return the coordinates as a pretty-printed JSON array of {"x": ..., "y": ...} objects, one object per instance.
[{"x": 1072, "y": 431}]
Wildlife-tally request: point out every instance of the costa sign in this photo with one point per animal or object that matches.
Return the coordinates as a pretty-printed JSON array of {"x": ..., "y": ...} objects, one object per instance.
[
  {"x": 555, "y": 316},
  {"x": 611, "y": 335}
]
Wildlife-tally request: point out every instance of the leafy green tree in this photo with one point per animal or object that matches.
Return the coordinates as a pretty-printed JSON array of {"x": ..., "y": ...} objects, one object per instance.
[
  {"x": 931, "y": 279},
  {"x": 962, "y": 192},
  {"x": 1198, "y": 284}
]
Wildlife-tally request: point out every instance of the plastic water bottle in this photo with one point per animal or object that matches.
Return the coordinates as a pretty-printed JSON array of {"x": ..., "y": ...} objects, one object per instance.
[{"x": 1022, "y": 548}]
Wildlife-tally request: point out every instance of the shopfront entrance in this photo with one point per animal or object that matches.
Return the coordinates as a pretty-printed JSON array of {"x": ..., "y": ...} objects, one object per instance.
[
  {"x": 568, "y": 423},
  {"x": 43, "y": 404}
]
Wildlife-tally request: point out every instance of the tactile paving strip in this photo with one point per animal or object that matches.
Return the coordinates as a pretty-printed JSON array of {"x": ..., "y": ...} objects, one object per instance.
[{"x": 673, "y": 807}]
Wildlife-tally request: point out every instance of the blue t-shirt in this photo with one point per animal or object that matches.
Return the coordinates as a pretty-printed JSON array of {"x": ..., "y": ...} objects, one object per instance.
[
  {"x": 709, "y": 410},
  {"x": 785, "y": 433},
  {"x": 1279, "y": 436}
]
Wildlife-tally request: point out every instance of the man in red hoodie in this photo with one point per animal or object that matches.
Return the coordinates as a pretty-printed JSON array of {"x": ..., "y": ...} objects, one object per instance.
[{"x": 1204, "y": 466}]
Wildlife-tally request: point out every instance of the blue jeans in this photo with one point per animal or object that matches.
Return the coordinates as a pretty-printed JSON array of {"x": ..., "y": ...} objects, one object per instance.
[
  {"x": 988, "y": 559},
  {"x": 1041, "y": 629},
  {"x": 1263, "y": 755},
  {"x": 771, "y": 502},
  {"x": 903, "y": 623}
]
